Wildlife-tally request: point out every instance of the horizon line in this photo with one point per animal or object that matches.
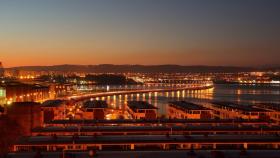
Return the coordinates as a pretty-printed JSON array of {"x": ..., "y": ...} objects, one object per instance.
[{"x": 236, "y": 66}]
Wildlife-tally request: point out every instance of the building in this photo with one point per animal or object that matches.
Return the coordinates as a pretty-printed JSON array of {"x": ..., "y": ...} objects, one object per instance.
[
  {"x": 274, "y": 111},
  {"x": 57, "y": 90},
  {"x": 141, "y": 110},
  {"x": 95, "y": 109},
  {"x": 148, "y": 142},
  {"x": 27, "y": 115},
  {"x": 23, "y": 92},
  {"x": 155, "y": 154},
  {"x": 161, "y": 121},
  {"x": 157, "y": 129},
  {"x": 229, "y": 110},
  {"x": 54, "y": 110},
  {"x": 187, "y": 110}
]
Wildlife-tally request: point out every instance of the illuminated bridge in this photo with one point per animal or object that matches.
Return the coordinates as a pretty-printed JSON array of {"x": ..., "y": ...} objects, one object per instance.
[{"x": 144, "y": 89}]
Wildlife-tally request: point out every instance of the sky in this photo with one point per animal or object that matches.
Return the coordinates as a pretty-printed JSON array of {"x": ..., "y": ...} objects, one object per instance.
[{"x": 148, "y": 32}]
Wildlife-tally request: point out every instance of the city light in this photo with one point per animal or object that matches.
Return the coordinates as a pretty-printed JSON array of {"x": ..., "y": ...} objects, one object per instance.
[{"x": 182, "y": 79}]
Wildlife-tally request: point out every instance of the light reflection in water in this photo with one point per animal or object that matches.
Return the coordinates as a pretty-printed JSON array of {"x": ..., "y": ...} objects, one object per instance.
[
  {"x": 158, "y": 99},
  {"x": 161, "y": 99}
]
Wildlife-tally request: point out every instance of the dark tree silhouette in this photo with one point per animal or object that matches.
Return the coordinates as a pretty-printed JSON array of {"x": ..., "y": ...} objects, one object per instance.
[{"x": 109, "y": 79}]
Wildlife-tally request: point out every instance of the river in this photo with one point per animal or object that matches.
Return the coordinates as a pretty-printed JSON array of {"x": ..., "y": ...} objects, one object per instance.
[{"x": 221, "y": 92}]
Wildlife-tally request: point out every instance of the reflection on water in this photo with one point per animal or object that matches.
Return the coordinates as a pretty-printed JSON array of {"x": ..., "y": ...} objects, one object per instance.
[
  {"x": 248, "y": 94},
  {"x": 233, "y": 93},
  {"x": 158, "y": 99}
]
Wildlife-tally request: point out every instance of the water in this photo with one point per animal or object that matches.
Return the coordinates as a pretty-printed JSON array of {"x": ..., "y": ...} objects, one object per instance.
[
  {"x": 248, "y": 94},
  {"x": 234, "y": 93}
]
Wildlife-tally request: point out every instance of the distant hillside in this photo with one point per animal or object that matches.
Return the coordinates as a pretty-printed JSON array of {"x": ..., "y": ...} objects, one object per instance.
[{"x": 107, "y": 68}]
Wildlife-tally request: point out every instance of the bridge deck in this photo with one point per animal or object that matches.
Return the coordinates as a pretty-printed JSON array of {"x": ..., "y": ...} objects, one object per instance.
[{"x": 104, "y": 94}]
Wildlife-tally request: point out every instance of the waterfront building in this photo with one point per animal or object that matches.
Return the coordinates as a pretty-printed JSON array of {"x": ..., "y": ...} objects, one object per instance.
[
  {"x": 57, "y": 90},
  {"x": 229, "y": 110},
  {"x": 141, "y": 110},
  {"x": 187, "y": 110}
]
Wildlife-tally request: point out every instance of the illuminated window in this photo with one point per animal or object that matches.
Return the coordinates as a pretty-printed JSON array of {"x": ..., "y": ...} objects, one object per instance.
[{"x": 2, "y": 93}]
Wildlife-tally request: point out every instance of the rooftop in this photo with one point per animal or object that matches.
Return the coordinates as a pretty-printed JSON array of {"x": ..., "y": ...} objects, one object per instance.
[
  {"x": 247, "y": 108},
  {"x": 21, "y": 84},
  {"x": 53, "y": 103},
  {"x": 24, "y": 103},
  {"x": 95, "y": 104},
  {"x": 136, "y": 105},
  {"x": 186, "y": 105}
]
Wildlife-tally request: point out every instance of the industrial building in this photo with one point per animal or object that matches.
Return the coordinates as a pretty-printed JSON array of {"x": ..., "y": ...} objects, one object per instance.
[
  {"x": 54, "y": 110},
  {"x": 229, "y": 110},
  {"x": 187, "y": 110},
  {"x": 141, "y": 110},
  {"x": 95, "y": 109}
]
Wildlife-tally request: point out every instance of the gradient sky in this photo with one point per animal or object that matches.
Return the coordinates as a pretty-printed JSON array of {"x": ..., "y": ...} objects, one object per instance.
[{"x": 186, "y": 32}]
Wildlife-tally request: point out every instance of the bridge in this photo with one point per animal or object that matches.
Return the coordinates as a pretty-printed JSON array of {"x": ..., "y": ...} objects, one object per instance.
[{"x": 81, "y": 97}]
